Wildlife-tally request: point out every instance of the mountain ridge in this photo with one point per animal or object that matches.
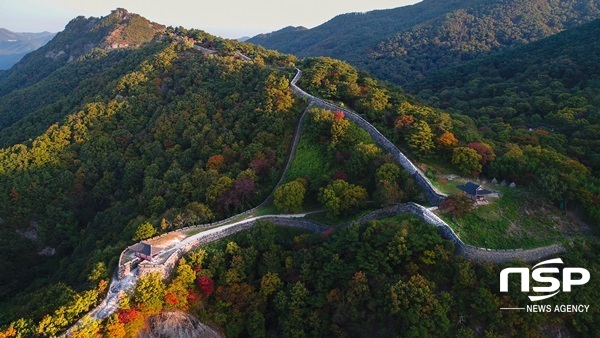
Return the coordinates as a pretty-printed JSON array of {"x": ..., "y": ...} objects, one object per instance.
[
  {"x": 552, "y": 84},
  {"x": 307, "y": 42},
  {"x": 118, "y": 30},
  {"x": 413, "y": 41},
  {"x": 15, "y": 45}
]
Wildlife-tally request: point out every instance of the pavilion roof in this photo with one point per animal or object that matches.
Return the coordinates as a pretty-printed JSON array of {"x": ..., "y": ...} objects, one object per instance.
[
  {"x": 146, "y": 249},
  {"x": 473, "y": 189}
]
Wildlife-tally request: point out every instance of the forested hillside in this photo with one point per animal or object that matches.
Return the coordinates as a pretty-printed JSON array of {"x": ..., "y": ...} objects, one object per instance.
[
  {"x": 546, "y": 93},
  {"x": 53, "y": 84},
  {"x": 346, "y": 36},
  {"x": 120, "y": 129},
  {"x": 159, "y": 136},
  {"x": 533, "y": 159},
  {"x": 120, "y": 29},
  {"x": 391, "y": 277},
  {"x": 409, "y": 42}
]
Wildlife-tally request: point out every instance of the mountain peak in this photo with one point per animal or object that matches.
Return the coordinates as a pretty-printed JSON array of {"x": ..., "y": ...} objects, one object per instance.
[
  {"x": 119, "y": 29},
  {"x": 120, "y": 11}
]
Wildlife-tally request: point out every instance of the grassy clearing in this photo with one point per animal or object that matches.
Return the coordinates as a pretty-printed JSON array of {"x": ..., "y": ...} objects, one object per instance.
[
  {"x": 519, "y": 219},
  {"x": 447, "y": 186},
  {"x": 309, "y": 161}
]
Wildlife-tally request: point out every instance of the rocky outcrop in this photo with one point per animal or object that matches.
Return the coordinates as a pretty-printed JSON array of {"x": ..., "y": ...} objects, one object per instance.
[{"x": 176, "y": 324}]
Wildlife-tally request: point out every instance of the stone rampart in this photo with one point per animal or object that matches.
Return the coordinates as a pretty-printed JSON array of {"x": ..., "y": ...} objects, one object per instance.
[
  {"x": 169, "y": 264},
  {"x": 468, "y": 251},
  {"x": 433, "y": 195}
]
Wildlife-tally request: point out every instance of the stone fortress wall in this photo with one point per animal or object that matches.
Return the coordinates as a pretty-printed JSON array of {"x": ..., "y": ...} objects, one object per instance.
[{"x": 433, "y": 195}]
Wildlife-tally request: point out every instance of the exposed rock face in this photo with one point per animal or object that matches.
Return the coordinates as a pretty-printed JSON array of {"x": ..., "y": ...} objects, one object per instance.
[
  {"x": 47, "y": 251},
  {"x": 120, "y": 29},
  {"x": 176, "y": 324}
]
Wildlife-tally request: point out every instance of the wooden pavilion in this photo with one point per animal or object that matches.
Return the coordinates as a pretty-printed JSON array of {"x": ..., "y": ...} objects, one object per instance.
[{"x": 474, "y": 191}]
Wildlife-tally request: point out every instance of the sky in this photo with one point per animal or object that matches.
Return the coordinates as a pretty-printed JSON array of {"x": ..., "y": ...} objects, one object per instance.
[{"x": 230, "y": 19}]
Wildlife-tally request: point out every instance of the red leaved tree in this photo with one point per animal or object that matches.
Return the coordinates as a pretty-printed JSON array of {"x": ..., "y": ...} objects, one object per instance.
[
  {"x": 126, "y": 316},
  {"x": 206, "y": 286},
  {"x": 340, "y": 175}
]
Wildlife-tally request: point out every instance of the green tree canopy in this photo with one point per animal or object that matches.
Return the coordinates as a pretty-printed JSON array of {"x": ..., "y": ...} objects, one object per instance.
[
  {"x": 144, "y": 231},
  {"x": 290, "y": 196},
  {"x": 340, "y": 197},
  {"x": 467, "y": 161}
]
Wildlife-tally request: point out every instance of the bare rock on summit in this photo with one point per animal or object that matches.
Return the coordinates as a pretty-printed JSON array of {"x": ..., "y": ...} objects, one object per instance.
[{"x": 177, "y": 324}]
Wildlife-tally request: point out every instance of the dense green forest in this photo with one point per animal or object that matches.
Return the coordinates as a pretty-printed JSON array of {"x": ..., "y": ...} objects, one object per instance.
[
  {"x": 406, "y": 43},
  {"x": 393, "y": 277},
  {"x": 546, "y": 93},
  {"x": 339, "y": 165},
  {"x": 159, "y": 133},
  {"x": 434, "y": 135},
  {"x": 47, "y": 85},
  {"x": 131, "y": 132}
]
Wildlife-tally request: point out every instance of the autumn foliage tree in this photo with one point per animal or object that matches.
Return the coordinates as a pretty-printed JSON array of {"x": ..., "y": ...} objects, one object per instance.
[
  {"x": 340, "y": 175},
  {"x": 290, "y": 196},
  {"x": 206, "y": 286},
  {"x": 403, "y": 122},
  {"x": 215, "y": 162},
  {"x": 447, "y": 141},
  {"x": 457, "y": 205},
  {"x": 467, "y": 160},
  {"x": 129, "y": 315},
  {"x": 484, "y": 150}
]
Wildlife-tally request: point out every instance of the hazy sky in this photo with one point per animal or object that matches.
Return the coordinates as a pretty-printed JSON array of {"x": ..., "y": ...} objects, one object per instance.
[{"x": 232, "y": 19}]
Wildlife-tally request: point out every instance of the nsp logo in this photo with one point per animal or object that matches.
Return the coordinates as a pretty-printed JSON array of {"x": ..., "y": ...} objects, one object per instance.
[{"x": 537, "y": 275}]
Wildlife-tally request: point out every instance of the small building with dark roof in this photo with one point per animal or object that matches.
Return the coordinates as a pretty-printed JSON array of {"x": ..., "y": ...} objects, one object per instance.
[
  {"x": 474, "y": 191},
  {"x": 145, "y": 251}
]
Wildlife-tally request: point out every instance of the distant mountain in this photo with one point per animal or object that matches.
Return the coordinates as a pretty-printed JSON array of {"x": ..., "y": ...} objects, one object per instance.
[
  {"x": 118, "y": 30},
  {"x": 55, "y": 83},
  {"x": 7, "y": 61},
  {"x": 243, "y": 39},
  {"x": 410, "y": 42},
  {"x": 278, "y": 37},
  {"x": 13, "y": 46},
  {"x": 552, "y": 84}
]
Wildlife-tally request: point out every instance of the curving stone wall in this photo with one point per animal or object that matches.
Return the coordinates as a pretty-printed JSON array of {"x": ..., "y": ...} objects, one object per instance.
[
  {"x": 167, "y": 267},
  {"x": 468, "y": 251},
  {"x": 433, "y": 195}
]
